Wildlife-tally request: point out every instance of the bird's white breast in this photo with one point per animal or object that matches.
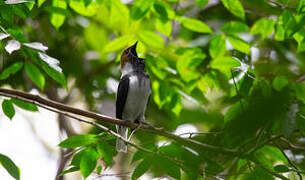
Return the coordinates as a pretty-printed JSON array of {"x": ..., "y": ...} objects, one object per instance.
[{"x": 137, "y": 98}]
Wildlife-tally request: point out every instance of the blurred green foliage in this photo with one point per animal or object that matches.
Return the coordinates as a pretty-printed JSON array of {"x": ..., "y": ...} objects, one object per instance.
[{"x": 231, "y": 68}]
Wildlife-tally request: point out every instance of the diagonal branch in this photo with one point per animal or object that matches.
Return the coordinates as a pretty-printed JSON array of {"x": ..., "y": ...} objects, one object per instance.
[{"x": 31, "y": 98}]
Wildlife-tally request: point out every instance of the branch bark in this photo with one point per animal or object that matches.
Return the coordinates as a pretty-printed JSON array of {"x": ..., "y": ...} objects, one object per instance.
[{"x": 31, "y": 98}]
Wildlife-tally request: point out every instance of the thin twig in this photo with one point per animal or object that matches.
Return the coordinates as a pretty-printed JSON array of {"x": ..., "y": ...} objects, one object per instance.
[
  {"x": 289, "y": 161},
  {"x": 178, "y": 163},
  {"x": 292, "y": 145},
  {"x": 196, "y": 145}
]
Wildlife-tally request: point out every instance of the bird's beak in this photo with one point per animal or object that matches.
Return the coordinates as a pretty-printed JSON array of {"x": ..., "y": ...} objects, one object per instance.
[{"x": 133, "y": 49}]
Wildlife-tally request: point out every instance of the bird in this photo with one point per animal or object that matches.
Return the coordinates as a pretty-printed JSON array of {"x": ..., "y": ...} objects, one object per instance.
[{"x": 133, "y": 92}]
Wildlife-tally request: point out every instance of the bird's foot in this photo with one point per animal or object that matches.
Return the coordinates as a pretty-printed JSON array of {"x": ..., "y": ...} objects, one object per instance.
[{"x": 134, "y": 130}]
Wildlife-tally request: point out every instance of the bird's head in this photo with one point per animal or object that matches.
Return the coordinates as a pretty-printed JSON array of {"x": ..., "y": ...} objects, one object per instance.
[{"x": 129, "y": 55}]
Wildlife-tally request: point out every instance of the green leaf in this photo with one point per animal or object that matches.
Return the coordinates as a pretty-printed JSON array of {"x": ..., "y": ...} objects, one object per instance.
[
  {"x": 40, "y": 2},
  {"x": 279, "y": 83},
  {"x": 279, "y": 33},
  {"x": 24, "y": 105},
  {"x": 77, "y": 157},
  {"x": 186, "y": 70},
  {"x": 10, "y": 166},
  {"x": 106, "y": 152},
  {"x": 151, "y": 39},
  {"x": 161, "y": 12},
  {"x": 79, "y": 140},
  {"x": 235, "y": 7},
  {"x": 139, "y": 155},
  {"x": 201, "y": 3},
  {"x": 168, "y": 167},
  {"x": 118, "y": 43},
  {"x": 81, "y": 8},
  {"x": 239, "y": 44},
  {"x": 35, "y": 75},
  {"x": 54, "y": 74},
  {"x": 164, "y": 28},
  {"x": 99, "y": 169},
  {"x": 300, "y": 6},
  {"x": 217, "y": 46},
  {"x": 88, "y": 162},
  {"x": 234, "y": 27},
  {"x": 12, "y": 69},
  {"x": 263, "y": 26},
  {"x": 8, "y": 108},
  {"x": 72, "y": 169},
  {"x": 288, "y": 21},
  {"x": 57, "y": 20},
  {"x": 142, "y": 168},
  {"x": 195, "y": 25},
  {"x": 300, "y": 91},
  {"x": 140, "y": 8},
  {"x": 281, "y": 168},
  {"x": 225, "y": 65}
]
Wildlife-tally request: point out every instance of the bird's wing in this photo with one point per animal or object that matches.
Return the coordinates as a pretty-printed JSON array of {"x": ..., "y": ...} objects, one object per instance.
[{"x": 122, "y": 96}]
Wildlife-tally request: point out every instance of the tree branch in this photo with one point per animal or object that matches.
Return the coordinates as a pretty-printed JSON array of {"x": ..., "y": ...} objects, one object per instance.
[{"x": 49, "y": 104}]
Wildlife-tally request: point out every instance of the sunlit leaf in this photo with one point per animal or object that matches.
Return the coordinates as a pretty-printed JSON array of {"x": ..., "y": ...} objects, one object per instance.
[
  {"x": 4, "y": 35},
  {"x": 12, "y": 45},
  {"x": 79, "y": 140},
  {"x": 36, "y": 45},
  {"x": 233, "y": 27},
  {"x": 279, "y": 32},
  {"x": 35, "y": 75},
  {"x": 10, "y": 166},
  {"x": 81, "y": 8},
  {"x": 164, "y": 28},
  {"x": 8, "y": 108},
  {"x": 54, "y": 73},
  {"x": 24, "y": 105},
  {"x": 263, "y": 26},
  {"x": 88, "y": 161},
  {"x": 217, "y": 46},
  {"x": 57, "y": 20},
  {"x": 40, "y": 2},
  {"x": 225, "y": 65},
  {"x": 17, "y": 1},
  {"x": 52, "y": 62},
  {"x": 239, "y": 44},
  {"x": 151, "y": 39},
  {"x": 235, "y": 7},
  {"x": 12, "y": 69},
  {"x": 195, "y": 25},
  {"x": 118, "y": 43},
  {"x": 187, "y": 63}
]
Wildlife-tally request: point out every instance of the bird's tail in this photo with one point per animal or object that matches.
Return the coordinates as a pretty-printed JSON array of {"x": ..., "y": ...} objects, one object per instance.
[{"x": 120, "y": 144}]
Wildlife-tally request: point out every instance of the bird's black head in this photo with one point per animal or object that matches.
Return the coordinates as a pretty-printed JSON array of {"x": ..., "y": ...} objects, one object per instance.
[{"x": 130, "y": 55}]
